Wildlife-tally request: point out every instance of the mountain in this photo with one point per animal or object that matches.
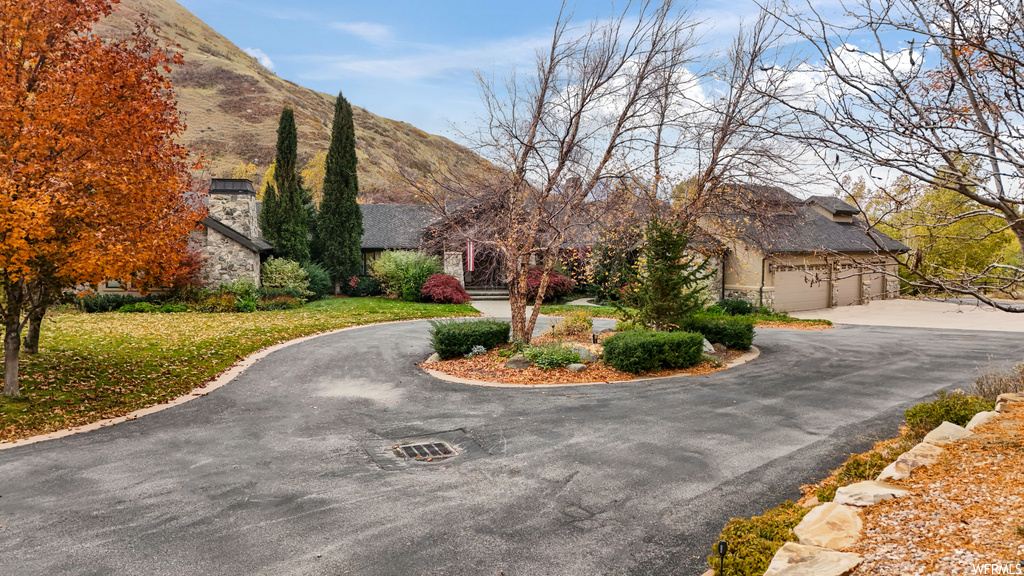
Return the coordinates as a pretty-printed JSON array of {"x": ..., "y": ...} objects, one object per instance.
[{"x": 231, "y": 104}]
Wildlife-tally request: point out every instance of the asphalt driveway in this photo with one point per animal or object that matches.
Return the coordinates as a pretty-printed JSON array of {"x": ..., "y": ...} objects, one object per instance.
[{"x": 288, "y": 469}]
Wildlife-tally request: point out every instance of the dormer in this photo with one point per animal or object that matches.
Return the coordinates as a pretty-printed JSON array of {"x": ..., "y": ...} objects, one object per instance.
[{"x": 832, "y": 208}]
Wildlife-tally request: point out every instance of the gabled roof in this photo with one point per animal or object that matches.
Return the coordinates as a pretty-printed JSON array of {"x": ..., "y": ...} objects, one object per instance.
[
  {"x": 788, "y": 225},
  {"x": 395, "y": 226},
  {"x": 256, "y": 245}
]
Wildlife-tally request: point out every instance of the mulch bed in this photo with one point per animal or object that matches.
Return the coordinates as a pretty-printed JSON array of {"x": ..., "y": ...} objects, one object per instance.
[
  {"x": 490, "y": 367},
  {"x": 793, "y": 325},
  {"x": 966, "y": 509}
]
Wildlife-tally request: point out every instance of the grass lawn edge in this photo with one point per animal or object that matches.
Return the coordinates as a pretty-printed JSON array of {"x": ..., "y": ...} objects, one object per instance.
[
  {"x": 748, "y": 356},
  {"x": 214, "y": 383}
]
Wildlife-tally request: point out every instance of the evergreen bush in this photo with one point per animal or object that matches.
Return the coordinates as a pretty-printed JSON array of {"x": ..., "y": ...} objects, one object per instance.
[
  {"x": 552, "y": 355},
  {"x": 639, "y": 351},
  {"x": 286, "y": 274},
  {"x": 732, "y": 331},
  {"x": 454, "y": 339},
  {"x": 319, "y": 281},
  {"x": 955, "y": 407},
  {"x": 392, "y": 269},
  {"x": 734, "y": 307}
]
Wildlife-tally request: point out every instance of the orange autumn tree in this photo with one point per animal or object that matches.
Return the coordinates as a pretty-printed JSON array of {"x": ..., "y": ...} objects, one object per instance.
[{"x": 92, "y": 185}]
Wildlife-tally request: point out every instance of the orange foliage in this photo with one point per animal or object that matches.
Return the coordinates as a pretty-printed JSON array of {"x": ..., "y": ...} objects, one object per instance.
[{"x": 92, "y": 184}]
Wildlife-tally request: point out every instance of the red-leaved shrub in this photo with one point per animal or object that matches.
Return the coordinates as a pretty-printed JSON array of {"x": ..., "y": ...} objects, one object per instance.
[
  {"x": 558, "y": 285},
  {"x": 444, "y": 289}
]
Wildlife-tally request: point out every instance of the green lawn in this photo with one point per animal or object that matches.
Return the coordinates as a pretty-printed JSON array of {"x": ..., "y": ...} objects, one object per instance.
[
  {"x": 612, "y": 312},
  {"x": 96, "y": 366}
]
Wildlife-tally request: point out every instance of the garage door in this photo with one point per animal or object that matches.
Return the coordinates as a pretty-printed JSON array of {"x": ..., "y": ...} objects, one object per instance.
[
  {"x": 801, "y": 290},
  {"x": 848, "y": 283},
  {"x": 877, "y": 290}
]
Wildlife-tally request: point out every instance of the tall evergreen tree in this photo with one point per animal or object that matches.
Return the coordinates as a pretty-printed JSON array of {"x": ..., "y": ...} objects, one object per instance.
[
  {"x": 283, "y": 219},
  {"x": 339, "y": 230}
]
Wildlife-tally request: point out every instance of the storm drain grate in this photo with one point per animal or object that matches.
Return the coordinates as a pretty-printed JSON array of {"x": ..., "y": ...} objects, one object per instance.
[{"x": 424, "y": 451}]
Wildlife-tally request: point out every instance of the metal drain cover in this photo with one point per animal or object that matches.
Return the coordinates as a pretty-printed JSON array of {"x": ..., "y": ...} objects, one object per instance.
[
  {"x": 403, "y": 449},
  {"x": 428, "y": 451}
]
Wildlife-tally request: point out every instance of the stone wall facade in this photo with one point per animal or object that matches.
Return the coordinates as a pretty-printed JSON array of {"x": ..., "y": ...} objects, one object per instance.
[
  {"x": 237, "y": 211},
  {"x": 756, "y": 297},
  {"x": 226, "y": 260}
]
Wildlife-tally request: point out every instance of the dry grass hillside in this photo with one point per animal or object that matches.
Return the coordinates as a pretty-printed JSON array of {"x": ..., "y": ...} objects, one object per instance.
[{"x": 231, "y": 104}]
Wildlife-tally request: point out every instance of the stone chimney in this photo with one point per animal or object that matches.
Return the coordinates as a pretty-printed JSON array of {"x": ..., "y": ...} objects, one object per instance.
[{"x": 233, "y": 202}]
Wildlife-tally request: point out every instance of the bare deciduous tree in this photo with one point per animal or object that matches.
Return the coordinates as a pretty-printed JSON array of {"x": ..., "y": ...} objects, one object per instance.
[{"x": 919, "y": 89}]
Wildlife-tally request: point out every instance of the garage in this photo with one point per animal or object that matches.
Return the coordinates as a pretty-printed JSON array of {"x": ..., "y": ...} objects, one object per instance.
[
  {"x": 848, "y": 280},
  {"x": 801, "y": 289}
]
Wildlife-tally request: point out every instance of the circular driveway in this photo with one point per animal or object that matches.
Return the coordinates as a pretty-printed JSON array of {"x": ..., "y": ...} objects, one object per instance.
[{"x": 288, "y": 470}]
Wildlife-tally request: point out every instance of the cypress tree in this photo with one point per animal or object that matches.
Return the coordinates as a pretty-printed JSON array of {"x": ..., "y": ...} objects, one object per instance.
[
  {"x": 340, "y": 222},
  {"x": 283, "y": 219}
]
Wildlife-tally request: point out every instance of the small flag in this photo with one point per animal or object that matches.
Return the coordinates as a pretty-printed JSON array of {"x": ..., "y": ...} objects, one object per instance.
[{"x": 470, "y": 256}]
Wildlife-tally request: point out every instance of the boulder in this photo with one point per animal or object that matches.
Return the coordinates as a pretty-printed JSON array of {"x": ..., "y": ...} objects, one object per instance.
[
  {"x": 585, "y": 355},
  {"x": 1000, "y": 407},
  {"x": 800, "y": 560},
  {"x": 868, "y": 492},
  {"x": 945, "y": 433},
  {"x": 981, "y": 418},
  {"x": 920, "y": 455},
  {"x": 518, "y": 362},
  {"x": 576, "y": 367},
  {"x": 720, "y": 348},
  {"x": 709, "y": 348},
  {"x": 1010, "y": 397},
  {"x": 830, "y": 525},
  {"x": 435, "y": 357}
]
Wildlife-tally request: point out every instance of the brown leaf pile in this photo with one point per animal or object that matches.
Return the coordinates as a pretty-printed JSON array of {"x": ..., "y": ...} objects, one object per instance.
[
  {"x": 490, "y": 367},
  {"x": 967, "y": 510},
  {"x": 792, "y": 325}
]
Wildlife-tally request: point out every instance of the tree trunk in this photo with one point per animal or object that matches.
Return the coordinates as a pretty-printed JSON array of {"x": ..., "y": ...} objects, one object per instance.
[
  {"x": 35, "y": 319},
  {"x": 12, "y": 346},
  {"x": 517, "y": 300},
  {"x": 545, "y": 276}
]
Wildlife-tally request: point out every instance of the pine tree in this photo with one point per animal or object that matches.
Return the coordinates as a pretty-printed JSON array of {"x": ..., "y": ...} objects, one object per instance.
[
  {"x": 672, "y": 283},
  {"x": 283, "y": 218},
  {"x": 339, "y": 229}
]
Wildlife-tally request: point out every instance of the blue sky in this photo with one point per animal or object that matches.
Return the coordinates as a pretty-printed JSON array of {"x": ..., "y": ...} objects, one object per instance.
[{"x": 410, "y": 61}]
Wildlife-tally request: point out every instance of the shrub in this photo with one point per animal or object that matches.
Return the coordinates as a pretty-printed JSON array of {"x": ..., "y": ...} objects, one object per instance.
[
  {"x": 558, "y": 285},
  {"x": 736, "y": 307},
  {"x": 754, "y": 541},
  {"x": 993, "y": 383},
  {"x": 272, "y": 293},
  {"x": 392, "y": 268},
  {"x": 553, "y": 355},
  {"x": 281, "y": 273},
  {"x": 452, "y": 339},
  {"x": 109, "y": 302},
  {"x": 732, "y": 331},
  {"x": 859, "y": 467},
  {"x": 173, "y": 308},
  {"x": 627, "y": 325},
  {"x": 639, "y": 351},
  {"x": 320, "y": 284},
  {"x": 361, "y": 287},
  {"x": 282, "y": 302},
  {"x": 217, "y": 302},
  {"x": 574, "y": 325},
  {"x": 245, "y": 306},
  {"x": 138, "y": 307},
  {"x": 957, "y": 408},
  {"x": 242, "y": 289},
  {"x": 444, "y": 289}
]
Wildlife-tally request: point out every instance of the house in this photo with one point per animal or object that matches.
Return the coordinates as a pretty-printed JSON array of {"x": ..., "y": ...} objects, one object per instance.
[{"x": 806, "y": 254}]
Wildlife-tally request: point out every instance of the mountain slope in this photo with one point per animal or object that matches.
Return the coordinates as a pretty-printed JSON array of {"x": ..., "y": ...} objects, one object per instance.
[{"x": 231, "y": 104}]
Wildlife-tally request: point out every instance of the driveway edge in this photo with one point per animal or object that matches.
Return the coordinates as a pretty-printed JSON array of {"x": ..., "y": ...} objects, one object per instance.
[
  {"x": 219, "y": 381},
  {"x": 752, "y": 354}
]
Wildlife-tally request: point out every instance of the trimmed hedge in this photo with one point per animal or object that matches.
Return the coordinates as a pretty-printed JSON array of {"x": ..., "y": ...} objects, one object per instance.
[
  {"x": 110, "y": 302},
  {"x": 732, "y": 331},
  {"x": 639, "y": 351},
  {"x": 454, "y": 339}
]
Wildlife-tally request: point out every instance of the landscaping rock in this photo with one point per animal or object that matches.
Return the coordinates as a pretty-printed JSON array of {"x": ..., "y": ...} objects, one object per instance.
[
  {"x": 830, "y": 525},
  {"x": 801, "y": 560},
  {"x": 945, "y": 433},
  {"x": 981, "y": 418},
  {"x": 1010, "y": 397},
  {"x": 720, "y": 348},
  {"x": 868, "y": 492},
  {"x": 1000, "y": 407},
  {"x": 518, "y": 362},
  {"x": 435, "y": 357},
  {"x": 576, "y": 367},
  {"x": 709, "y": 348},
  {"x": 920, "y": 455},
  {"x": 585, "y": 355},
  {"x": 811, "y": 502}
]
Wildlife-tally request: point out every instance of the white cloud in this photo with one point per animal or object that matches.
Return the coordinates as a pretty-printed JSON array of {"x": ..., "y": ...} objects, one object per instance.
[
  {"x": 261, "y": 56},
  {"x": 374, "y": 33}
]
